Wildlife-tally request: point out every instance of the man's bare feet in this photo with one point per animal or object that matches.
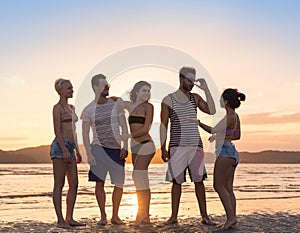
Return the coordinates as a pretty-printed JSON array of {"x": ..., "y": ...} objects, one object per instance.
[
  {"x": 117, "y": 221},
  {"x": 63, "y": 225},
  {"x": 172, "y": 220},
  {"x": 74, "y": 223},
  {"x": 207, "y": 221},
  {"x": 102, "y": 222},
  {"x": 229, "y": 223}
]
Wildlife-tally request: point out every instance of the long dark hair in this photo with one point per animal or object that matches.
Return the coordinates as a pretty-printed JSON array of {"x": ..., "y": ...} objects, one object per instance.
[
  {"x": 233, "y": 97},
  {"x": 136, "y": 88}
]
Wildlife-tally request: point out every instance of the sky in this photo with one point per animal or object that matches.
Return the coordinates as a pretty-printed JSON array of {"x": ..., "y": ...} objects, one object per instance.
[{"x": 252, "y": 45}]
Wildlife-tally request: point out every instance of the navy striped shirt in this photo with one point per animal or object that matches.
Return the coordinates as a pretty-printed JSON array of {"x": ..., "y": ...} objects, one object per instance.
[{"x": 183, "y": 131}]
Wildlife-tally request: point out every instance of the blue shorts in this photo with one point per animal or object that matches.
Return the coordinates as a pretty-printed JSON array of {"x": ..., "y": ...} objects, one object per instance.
[
  {"x": 56, "y": 152},
  {"x": 107, "y": 160},
  {"x": 227, "y": 149}
]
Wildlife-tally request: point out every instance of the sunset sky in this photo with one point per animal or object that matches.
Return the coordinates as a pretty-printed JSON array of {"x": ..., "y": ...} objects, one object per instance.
[{"x": 252, "y": 45}]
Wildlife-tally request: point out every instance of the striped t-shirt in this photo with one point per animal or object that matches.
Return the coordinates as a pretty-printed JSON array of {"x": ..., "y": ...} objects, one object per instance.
[
  {"x": 104, "y": 120},
  {"x": 183, "y": 131}
]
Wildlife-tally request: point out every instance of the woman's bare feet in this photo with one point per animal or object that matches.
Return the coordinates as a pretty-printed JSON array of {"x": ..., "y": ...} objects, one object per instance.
[
  {"x": 142, "y": 219},
  {"x": 117, "y": 221}
]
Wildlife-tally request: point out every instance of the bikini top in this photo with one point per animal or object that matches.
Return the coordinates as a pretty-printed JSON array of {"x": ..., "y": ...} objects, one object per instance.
[
  {"x": 136, "y": 119},
  {"x": 69, "y": 116}
]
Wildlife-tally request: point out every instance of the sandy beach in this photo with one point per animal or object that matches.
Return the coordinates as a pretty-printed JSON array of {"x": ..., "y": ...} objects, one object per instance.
[
  {"x": 268, "y": 198},
  {"x": 269, "y": 215}
]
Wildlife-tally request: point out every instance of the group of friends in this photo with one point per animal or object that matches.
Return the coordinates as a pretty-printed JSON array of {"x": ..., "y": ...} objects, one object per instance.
[{"x": 108, "y": 148}]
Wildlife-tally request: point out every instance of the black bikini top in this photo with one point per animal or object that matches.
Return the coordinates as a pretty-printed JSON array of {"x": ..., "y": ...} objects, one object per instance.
[{"x": 136, "y": 119}]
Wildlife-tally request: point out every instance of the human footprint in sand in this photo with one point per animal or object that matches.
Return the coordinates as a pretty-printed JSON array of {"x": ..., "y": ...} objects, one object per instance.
[
  {"x": 106, "y": 153},
  {"x": 224, "y": 132},
  {"x": 62, "y": 153}
]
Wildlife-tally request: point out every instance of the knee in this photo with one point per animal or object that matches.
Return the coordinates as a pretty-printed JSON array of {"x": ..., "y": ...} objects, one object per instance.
[
  {"x": 59, "y": 185},
  {"x": 140, "y": 179},
  {"x": 217, "y": 187},
  {"x": 73, "y": 185}
]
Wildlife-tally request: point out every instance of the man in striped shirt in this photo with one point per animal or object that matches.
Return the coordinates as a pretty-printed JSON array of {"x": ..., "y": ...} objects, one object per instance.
[
  {"x": 185, "y": 146},
  {"x": 107, "y": 152}
]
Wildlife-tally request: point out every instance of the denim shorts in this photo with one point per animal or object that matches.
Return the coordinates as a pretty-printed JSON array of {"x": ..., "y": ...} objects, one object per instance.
[
  {"x": 227, "y": 149},
  {"x": 56, "y": 152}
]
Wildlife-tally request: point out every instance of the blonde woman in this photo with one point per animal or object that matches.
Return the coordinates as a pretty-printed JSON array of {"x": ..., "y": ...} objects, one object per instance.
[{"x": 62, "y": 153}]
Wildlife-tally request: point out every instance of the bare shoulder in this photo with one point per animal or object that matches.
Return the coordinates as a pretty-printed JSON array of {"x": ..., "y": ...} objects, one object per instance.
[
  {"x": 114, "y": 98},
  {"x": 57, "y": 107},
  {"x": 167, "y": 100},
  {"x": 149, "y": 106}
]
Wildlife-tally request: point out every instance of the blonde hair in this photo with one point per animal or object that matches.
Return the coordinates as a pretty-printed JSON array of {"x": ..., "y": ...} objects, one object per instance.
[{"x": 59, "y": 82}]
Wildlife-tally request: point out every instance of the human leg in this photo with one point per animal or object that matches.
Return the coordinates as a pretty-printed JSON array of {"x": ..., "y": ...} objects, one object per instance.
[
  {"x": 175, "y": 197},
  {"x": 59, "y": 172},
  {"x": 222, "y": 170},
  {"x": 72, "y": 176},
  {"x": 116, "y": 200},
  {"x": 101, "y": 199},
  {"x": 141, "y": 181}
]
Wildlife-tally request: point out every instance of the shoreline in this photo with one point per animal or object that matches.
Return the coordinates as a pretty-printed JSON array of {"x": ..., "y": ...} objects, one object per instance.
[{"x": 264, "y": 215}]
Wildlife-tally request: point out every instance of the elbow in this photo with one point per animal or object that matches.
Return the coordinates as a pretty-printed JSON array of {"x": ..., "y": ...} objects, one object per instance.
[{"x": 212, "y": 111}]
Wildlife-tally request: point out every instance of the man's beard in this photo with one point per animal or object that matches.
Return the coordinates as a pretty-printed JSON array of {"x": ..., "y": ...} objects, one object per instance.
[{"x": 186, "y": 87}]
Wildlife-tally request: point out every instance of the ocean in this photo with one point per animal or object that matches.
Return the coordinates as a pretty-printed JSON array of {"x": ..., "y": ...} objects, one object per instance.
[{"x": 26, "y": 189}]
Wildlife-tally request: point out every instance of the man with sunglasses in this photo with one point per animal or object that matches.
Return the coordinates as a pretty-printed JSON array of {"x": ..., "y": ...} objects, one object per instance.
[
  {"x": 185, "y": 150},
  {"x": 108, "y": 151}
]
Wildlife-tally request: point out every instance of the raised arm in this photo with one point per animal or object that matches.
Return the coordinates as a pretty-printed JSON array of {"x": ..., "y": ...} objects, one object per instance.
[{"x": 207, "y": 106}]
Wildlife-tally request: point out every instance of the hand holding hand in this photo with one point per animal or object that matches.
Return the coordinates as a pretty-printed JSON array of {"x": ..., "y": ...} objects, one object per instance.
[
  {"x": 123, "y": 153},
  {"x": 165, "y": 156}
]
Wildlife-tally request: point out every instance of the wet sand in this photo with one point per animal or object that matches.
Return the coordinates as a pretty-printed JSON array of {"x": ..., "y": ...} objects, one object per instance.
[{"x": 269, "y": 215}]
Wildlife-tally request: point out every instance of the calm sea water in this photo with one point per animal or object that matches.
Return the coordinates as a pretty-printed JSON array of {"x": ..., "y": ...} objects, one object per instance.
[{"x": 25, "y": 188}]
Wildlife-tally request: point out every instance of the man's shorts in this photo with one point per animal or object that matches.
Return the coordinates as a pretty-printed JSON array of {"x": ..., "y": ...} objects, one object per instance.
[
  {"x": 184, "y": 158},
  {"x": 56, "y": 152},
  {"x": 107, "y": 160}
]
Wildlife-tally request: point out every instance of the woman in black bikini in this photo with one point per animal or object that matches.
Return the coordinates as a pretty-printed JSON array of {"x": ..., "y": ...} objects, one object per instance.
[
  {"x": 62, "y": 153},
  {"x": 142, "y": 146}
]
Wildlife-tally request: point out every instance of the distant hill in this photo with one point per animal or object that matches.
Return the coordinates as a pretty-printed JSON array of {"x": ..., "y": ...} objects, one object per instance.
[{"x": 40, "y": 154}]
